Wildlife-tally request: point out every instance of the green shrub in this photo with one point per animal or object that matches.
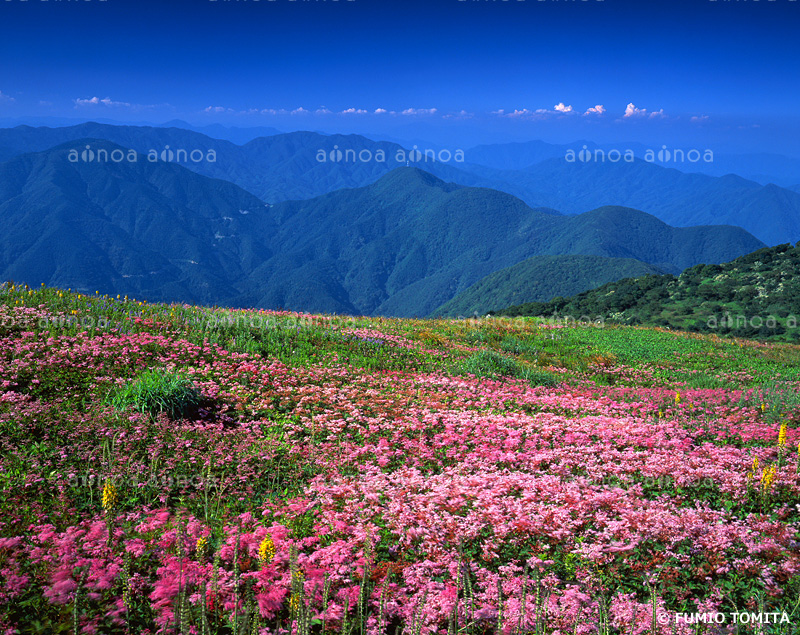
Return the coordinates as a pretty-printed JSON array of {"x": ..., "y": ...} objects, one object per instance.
[
  {"x": 540, "y": 377},
  {"x": 491, "y": 364},
  {"x": 156, "y": 391}
]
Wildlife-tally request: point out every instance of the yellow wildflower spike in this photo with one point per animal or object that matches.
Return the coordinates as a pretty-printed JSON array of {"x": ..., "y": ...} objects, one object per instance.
[
  {"x": 767, "y": 477},
  {"x": 782, "y": 435},
  {"x": 110, "y": 496},
  {"x": 201, "y": 546},
  {"x": 678, "y": 397},
  {"x": 266, "y": 551}
]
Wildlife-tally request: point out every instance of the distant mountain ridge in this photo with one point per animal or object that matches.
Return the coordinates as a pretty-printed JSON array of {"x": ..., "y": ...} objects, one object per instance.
[
  {"x": 298, "y": 165},
  {"x": 763, "y": 168},
  {"x": 769, "y": 212},
  {"x": 154, "y": 231},
  {"x": 402, "y": 246},
  {"x": 287, "y": 167},
  {"x": 410, "y": 242}
]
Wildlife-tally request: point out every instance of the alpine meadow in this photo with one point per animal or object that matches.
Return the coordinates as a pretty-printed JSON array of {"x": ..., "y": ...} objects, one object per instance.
[{"x": 369, "y": 317}]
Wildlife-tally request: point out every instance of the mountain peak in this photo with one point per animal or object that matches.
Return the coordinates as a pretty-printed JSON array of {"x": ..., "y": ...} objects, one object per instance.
[{"x": 415, "y": 177}]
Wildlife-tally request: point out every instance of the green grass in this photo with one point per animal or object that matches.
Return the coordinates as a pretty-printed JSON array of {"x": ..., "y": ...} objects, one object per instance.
[
  {"x": 493, "y": 365},
  {"x": 155, "y": 391}
]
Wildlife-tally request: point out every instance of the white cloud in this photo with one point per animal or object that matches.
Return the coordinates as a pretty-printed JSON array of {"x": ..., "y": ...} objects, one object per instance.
[
  {"x": 517, "y": 113},
  {"x": 699, "y": 119},
  {"x": 273, "y": 111},
  {"x": 381, "y": 111},
  {"x": 462, "y": 114},
  {"x": 353, "y": 111},
  {"x": 633, "y": 111},
  {"x": 419, "y": 111},
  {"x": 323, "y": 111},
  {"x": 299, "y": 111},
  {"x": 599, "y": 109},
  {"x": 540, "y": 113},
  {"x": 96, "y": 101},
  {"x": 4, "y": 97}
]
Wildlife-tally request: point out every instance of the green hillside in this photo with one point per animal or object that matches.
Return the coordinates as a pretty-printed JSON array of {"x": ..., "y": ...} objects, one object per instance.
[
  {"x": 401, "y": 246},
  {"x": 540, "y": 279},
  {"x": 757, "y": 295},
  {"x": 410, "y": 242}
]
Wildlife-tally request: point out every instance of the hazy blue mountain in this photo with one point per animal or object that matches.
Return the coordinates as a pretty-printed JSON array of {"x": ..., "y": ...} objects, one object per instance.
[
  {"x": 769, "y": 212},
  {"x": 763, "y": 168},
  {"x": 410, "y": 242},
  {"x": 239, "y": 136},
  {"x": 542, "y": 278},
  {"x": 154, "y": 231},
  {"x": 304, "y": 165},
  {"x": 297, "y": 165},
  {"x": 403, "y": 245},
  {"x": 519, "y": 155}
]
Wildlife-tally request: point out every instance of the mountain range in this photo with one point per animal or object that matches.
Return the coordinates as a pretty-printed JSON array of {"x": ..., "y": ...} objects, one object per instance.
[
  {"x": 763, "y": 168},
  {"x": 291, "y": 166},
  {"x": 404, "y": 245}
]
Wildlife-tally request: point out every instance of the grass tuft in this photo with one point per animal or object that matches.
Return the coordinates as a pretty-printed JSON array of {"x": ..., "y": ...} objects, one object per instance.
[{"x": 156, "y": 391}]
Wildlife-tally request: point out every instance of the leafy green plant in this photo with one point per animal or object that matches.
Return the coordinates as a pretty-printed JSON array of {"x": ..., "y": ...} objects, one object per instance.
[
  {"x": 156, "y": 391},
  {"x": 776, "y": 399},
  {"x": 487, "y": 363}
]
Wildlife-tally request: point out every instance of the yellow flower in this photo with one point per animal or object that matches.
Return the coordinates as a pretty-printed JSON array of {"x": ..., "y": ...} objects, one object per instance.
[
  {"x": 763, "y": 407},
  {"x": 782, "y": 435},
  {"x": 201, "y": 546},
  {"x": 297, "y": 583},
  {"x": 110, "y": 496},
  {"x": 678, "y": 397},
  {"x": 754, "y": 469},
  {"x": 767, "y": 477},
  {"x": 266, "y": 551}
]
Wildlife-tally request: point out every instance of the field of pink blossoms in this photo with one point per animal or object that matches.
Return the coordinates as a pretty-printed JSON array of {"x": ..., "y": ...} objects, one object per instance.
[{"x": 322, "y": 475}]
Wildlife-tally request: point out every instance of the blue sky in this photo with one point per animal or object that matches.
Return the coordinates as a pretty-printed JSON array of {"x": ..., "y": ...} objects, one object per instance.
[{"x": 679, "y": 72}]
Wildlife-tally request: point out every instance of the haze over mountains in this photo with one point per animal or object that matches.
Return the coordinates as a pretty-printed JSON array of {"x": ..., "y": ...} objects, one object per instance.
[
  {"x": 403, "y": 245},
  {"x": 288, "y": 167}
]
